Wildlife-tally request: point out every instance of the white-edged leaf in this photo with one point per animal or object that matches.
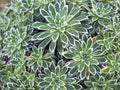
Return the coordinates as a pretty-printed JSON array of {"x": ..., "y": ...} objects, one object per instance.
[
  {"x": 36, "y": 24},
  {"x": 52, "y": 46},
  {"x": 57, "y": 70},
  {"x": 64, "y": 11},
  {"x": 45, "y": 42},
  {"x": 83, "y": 74},
  {"x": 73, "y": 32},
  {"x": 55, "y": 37},
  {"x": 64, "y": 38},
  {"x": 44, "y": 13},
  {"x": 51, "y": 20},
  {"x": 44, "y": 35},
  {"x": 52, "y": 10},
  {"x": 41, "y": 26},
  {"x": 92, "y": 69}
]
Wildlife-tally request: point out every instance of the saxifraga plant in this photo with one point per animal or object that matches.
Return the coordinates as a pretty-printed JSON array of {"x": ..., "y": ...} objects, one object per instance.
[
  {"x": 102, "y": 82},
  {"x": 60, "y": 45},
  {"x": 85, "y": 55},
  {"x": 57, "y": 78},
  {"x": 62, "y": 25}
]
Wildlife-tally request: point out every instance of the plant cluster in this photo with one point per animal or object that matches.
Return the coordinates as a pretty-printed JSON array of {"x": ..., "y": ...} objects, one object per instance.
[{"x": 60, "y": 45}]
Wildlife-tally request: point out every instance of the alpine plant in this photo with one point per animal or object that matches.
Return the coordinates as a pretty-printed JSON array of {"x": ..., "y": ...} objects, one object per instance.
[
  {"x": 60, "y": 45},
  {"x": 62, "y": 25}
]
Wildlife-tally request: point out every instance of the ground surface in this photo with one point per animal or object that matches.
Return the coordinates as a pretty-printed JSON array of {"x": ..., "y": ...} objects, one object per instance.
[{"x": 3, "y": 3}]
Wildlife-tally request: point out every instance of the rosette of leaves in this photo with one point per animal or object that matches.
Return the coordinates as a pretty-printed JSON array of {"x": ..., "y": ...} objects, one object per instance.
[
  {"x": 62, "y": 25},
  {"x": 11, "y": 19},
  {"x": 101, "y": 11},
  {"x": 113, "y": 25},
  {"x": 85, "y": 55},
  {"x": 22, "y": 6},
  {"x": 56, "y": 78},
  {"x": 108, "y": 41},
  {"x": 13, "y": 68},
  {"x": 6, "y": 72},
  {"x": 102, "y": 82},
  {"x": 23, "y": 14},
  {"x": 113, "y": 61},
  {"x": 38, "y": 59},
  {"x": 23, "y": 82},
  {"x": 16, "y": 76},
  {"x": 16, "y": 41},
  {"x": 116, "y": 26}
]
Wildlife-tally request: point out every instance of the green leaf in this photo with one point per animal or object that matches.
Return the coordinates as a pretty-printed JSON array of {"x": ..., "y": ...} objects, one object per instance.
[
  {"x": 64, "y": 11},
  {"x": 47, "y": 71},
  {"x": 55, "y": 37},
  {"x": 73, "y": 70},
  {"x": 72, "y": 64},
  {"x": 57, "y": 17},
  {"x": 70, "y": 87},
  {"x": 51, "y": 21},
  {"x": 35, "y": 50},
  {"x": 43, "y": 83},
  {"x": 97, "y": 76},
  {"x": 36, "y": 24},
  {"x": 71, "y": 39},
  {"x": 83, "y": 16},
  {"x": 62, "y": 88},
  {"x": 52, "y": 67},
  {"x": 44, "y": 43},
  {"x": 73, "y": 32},
  {"x": 77, "y": 86},
  {"x": 57, "y": 7},
  {"x": 83, "y": 74},
  {"x": 106, "y": 70},
  {"x": 102, "y": 79},
  {"x": 81, "y": 67},
  {"x": 41, "y": 26},
  {"x": 57, "y": 70},
  {"x": 48, "y": 79},
  {"x": 71, "y": 80},
  {"x": 88, "y": 83},
  {"x": 64, "y": 70},
  {"x": 42, "y": 35},
  {"x": 64, "y": 38},
  {"x": 52, "y": 46},
  {"x": 63, "y": 77},
  {"x": 52, "y": 10},
  {"x": 44, "y": 13},
  {"x": 48, "y": 88},
  {"x": 68, "y": 55},
  {"x": 92, "y": 69}
]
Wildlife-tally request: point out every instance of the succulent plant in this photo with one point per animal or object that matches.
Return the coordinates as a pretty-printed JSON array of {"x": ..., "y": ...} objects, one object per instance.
[
  {"x": 86, "y": 56},
  {"x": 113, "y": 61},
  {"x": 16, "y": 41},
  {"x": 56, "y": 78},
  {"x": 101, "y": 11},
  {"x": 102, "y": 82},
  {"x": 60, "y": 45},
  {"x": 38, "y": 59},
  {"x": 62, "y": 25},
  {"x": 107, "y": 41}
]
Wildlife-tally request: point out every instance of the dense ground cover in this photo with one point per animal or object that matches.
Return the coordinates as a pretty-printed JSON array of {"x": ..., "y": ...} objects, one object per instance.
[{"x": 60, "y": 45}]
